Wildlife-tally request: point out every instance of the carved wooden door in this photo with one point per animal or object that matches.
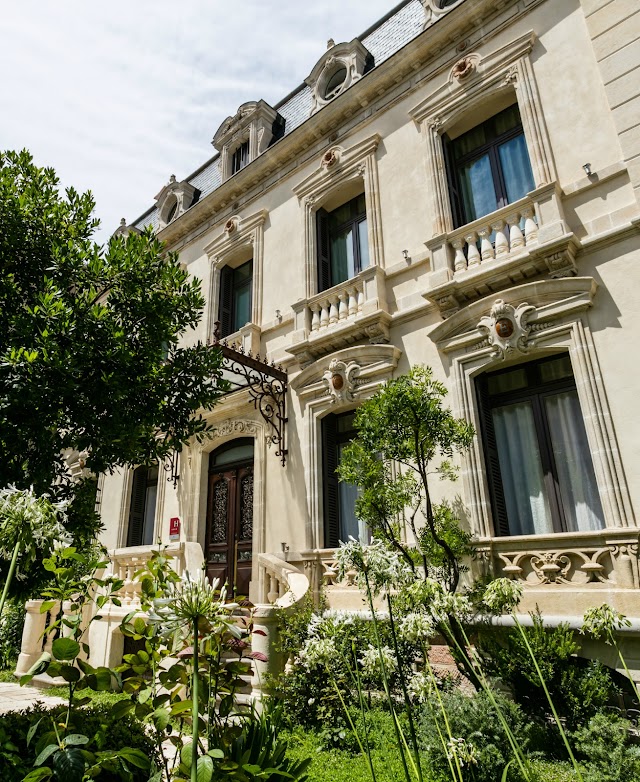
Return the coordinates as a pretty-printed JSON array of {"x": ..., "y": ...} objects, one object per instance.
[{"x": 230, "y": 527}]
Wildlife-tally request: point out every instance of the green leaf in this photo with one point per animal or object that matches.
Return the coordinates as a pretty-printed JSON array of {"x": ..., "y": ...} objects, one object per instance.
[
  {"x": 103, "y": 679},
  {"x": 46, "y": 605},
  {"x": 505, "y": 771},
  {"x": 38, "y": 774},
  {"x": 65, "y": 649},
  {"x": 181, "y": 707},
  {"x": 32, "y": 730},
  {"x": 216, "y": 753},
  {"x": 136, "y": 757},
  {"x": 69, "y": 764},
  {"x": 186, "y": 754},
  {"x": 204, "y": 771},
  {"x": 119, "y": 709},
  {"x": 69, "y": 673},
  {"x": 46, "y": 753},
  {"x": 161, "y": 718}
]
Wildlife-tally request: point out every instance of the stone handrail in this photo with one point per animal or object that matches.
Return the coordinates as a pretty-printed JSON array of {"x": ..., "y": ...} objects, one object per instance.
[
  {"x": 500, "y": 235},
  {"x": 280, "y": 583}
]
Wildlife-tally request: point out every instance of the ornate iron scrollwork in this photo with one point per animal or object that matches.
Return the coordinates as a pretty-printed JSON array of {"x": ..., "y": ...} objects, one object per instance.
[
  {"x": 171, "y": 466},
  {"x": 266, "y": 384}
]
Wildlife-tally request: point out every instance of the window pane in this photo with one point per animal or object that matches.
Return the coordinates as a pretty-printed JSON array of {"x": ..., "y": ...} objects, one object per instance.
[
  {"x": 478, "y": 193},
  {"x": 363, "y": 238},
  {"x": 149, "y": 513},
  {"x": 525, "y": 496},
  {"x": 241, "y": 307},
  {"x": 506, "y": 120},
  {"x": 558, "y": 369},
  {"x": 350, "y": 526},
  {"x": 516, "y": 168},
  {"x": 580, "y": 499},
  {"x": 236, "y": 453},
  {"x": 469, "y": 141},
  {"x": 342, "y": 263},
  {"x": 507, "y": 381}
]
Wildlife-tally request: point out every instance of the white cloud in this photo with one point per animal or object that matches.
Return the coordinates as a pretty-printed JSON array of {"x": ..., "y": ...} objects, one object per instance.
[{"x": 118, "y": 96}]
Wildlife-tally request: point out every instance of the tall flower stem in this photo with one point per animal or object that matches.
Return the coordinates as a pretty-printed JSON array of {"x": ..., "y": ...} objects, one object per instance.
[
  {"x": 362, "y": 711},
  {"x": 444, "y": 716},
  {"x": 405, "y": 693},
  {"x": 520, "y": 759},
  {"x": 195, "y": 710},
  {"x": 385, "y": 681},
  {"x": 10, "y": 574},
  {"x": 366, "y": 753},
  {"x": 546, "y": 692}
]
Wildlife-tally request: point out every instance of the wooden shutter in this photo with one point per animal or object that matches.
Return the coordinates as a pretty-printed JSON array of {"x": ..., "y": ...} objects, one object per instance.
[
  {"x": 323, "y": 250},
  {"x": 225, "y": 307},
  {"x": 136, "y": 507},
  {"x": 330, "y": 481},
  {"x": 455, "y": 197},
  {"x": 492, "y": 463}
]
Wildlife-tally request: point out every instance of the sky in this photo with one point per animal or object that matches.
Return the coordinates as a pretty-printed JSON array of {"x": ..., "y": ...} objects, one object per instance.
[{"x": 118, "y": 96}]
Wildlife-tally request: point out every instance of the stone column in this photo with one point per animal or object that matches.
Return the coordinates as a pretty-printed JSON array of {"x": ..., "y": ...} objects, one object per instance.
[{"x": 32, "y": 640}]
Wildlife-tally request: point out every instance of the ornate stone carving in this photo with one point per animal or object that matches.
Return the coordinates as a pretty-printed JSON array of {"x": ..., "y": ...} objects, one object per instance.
[
  {"x": 506, "y": 328},
  {"x": 511, "y": 75},
  {"x": 226, "y": 428},
  {"x": 340, "y": 380},
  {"x": 330, "y": 157},
  {"x": 463, "y": 68},
  {"x": 231, "y": 225},
  {"x": 353, "y": 57}
]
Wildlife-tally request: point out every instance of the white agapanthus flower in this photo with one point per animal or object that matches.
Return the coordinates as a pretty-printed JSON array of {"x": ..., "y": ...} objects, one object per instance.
[
  {"x": 375, "y": 564},
  {"x": 502, "y": 596},
  {"x": 317, "y": 651},
  {"x": 602, "y": 622},
  {"x": 463, "y": 750},
  {"x": 421, "y": 686},
  {"x": 372, "y": 659},
  {"x": 446, "y": 604},
  {"x": 416, "y": 628}
]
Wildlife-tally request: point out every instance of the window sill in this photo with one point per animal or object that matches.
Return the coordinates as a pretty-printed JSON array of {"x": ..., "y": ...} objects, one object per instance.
[
  {"x": 353, "y": 310},
  {"x": 604, "y": 558},
  {"x": 530, "y": 237}
]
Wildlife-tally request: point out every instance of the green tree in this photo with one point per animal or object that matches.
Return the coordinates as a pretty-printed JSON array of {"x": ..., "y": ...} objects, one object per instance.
[{"x": 91, "y": 358}]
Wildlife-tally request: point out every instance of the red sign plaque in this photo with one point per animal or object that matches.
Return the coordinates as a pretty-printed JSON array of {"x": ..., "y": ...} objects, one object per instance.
[{"x": 174, "y": 528}]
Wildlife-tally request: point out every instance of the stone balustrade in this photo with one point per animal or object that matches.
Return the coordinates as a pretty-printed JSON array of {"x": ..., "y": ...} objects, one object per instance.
[
  {"x": 345, "y": 302},
  {"x": 496, "y": 237}
]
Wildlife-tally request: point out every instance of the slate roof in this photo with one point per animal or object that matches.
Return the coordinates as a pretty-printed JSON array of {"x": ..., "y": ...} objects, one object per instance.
[{"x": 383, "y": 40}]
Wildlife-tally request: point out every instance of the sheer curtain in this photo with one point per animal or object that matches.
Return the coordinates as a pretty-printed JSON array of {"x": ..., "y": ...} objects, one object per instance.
[
  {"x": 580, "y": 499},
  {"x": 521, "y": 470},
  {"x": 516, "y": 168},
  {"x": 342, "y": 261},
  {"x": 478, "y": 192}
]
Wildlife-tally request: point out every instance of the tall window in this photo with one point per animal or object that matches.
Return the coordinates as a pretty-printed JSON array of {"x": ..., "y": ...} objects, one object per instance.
[
  {"x": 488, "y": 167},
  {"x": 234, "y": 310},
  {"x": 540, "y": 469},
  {"x": 340, "y": 520},
  {"x": 142, "y": 509},
  {"x": 240, "y": 158},
  {"x": 343, "y": 245}
]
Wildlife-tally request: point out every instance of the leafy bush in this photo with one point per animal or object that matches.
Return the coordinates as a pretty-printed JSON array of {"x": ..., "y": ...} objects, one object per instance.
[
  {"x": 105, "y": 731},
  {"x": 608, "y": 754},
  {"x": 579, "y": 688},
  {"x": 474, "y": 719},
  {"x": 11, "y": 626}
]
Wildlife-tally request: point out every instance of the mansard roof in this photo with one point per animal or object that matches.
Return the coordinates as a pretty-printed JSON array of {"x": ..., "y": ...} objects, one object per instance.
[{"x": 386, "y": 37}]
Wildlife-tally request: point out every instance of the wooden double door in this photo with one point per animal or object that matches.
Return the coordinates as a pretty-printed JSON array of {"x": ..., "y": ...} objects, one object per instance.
[{"x": 230, "y": 517}]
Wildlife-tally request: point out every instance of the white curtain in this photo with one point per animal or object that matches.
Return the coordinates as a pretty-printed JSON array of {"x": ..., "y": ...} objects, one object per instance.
[
  {"x": 580, "y": 499},
  {"x": 521, "y": 470}
]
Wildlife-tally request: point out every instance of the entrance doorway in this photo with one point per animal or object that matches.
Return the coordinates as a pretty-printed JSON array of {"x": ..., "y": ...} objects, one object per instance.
[{"x": 230, "y": 515}]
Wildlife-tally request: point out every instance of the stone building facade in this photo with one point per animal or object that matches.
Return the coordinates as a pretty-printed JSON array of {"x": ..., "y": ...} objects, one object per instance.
[{"x": 458, "y": 187}]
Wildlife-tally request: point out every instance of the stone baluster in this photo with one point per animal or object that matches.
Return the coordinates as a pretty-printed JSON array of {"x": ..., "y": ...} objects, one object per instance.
[
  {"x": 273, "y": 594},
  {"x": 530, "y": 227},
  {"x": 352, "y": 306},
  {"x": 324, "y": 315},
  {"x": 486, "y": 248},
  {"x": 333, "y": 310},
  {"x": 459, "y": 262},
  {"x": 360, "y": 299},
  {"x": 32, "y": 640},
  {"x": 128, "y": 583},
  {"x": 501, "y": 242},
  {"x": 343, "y": 306},
  {"x": 282, "y": 588},
  {"x": 315, "y": 317},
  {"x": 516, "y": 239},
  {"x": 473, "y": 256}
]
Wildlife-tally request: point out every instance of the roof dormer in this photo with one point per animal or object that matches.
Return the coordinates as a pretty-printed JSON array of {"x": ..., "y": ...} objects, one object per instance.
[
  {"x": 241, "y": 138},
  {"x": 339, "y": 67},
  {"x": 174, "y": 199}
]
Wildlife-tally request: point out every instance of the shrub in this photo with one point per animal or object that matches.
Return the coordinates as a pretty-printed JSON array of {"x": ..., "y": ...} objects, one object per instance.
[
  {"x": 11, "y": 626},
  {"x": 104, "y": 731},
  {"x": 605, "y": 746},
  {"x": 474, "y": 719},
  {"x": 578, "y": 688}
]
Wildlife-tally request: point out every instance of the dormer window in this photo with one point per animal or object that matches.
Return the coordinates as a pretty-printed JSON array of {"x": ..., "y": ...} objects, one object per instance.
[
  {"x": 241, "y": 138},
  {"x": 339, "y": 67},
  {"x": 174, "y": 199}
]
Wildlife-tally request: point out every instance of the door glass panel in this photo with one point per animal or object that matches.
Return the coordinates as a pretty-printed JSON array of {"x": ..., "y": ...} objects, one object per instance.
[
  {"x": 525, "y": 496},
  {"x": 558, "y": 369},
  {"x": 350, "y": 525},
  {"x": 246, "y": 507},
  {"x": 235, "y": 454},
  {"x": 478, "y": 192},
  {"x": 516, "y": 168},
  {"x": 580, "y": 499},
  {"x": 507, "y": 381},
  {"x": 219, "y": 520},
  {"x": 150, "y": 512}
]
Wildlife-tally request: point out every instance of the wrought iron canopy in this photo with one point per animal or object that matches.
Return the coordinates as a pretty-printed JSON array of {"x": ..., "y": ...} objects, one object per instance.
[{"x": 266, "y": 384}]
